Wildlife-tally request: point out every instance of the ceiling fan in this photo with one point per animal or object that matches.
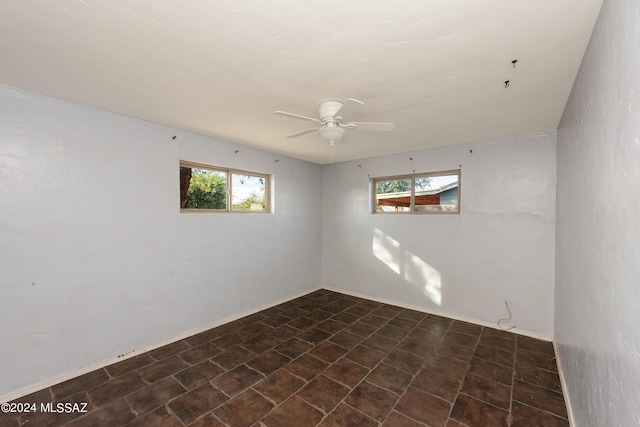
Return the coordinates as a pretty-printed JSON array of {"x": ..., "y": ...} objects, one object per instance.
[{"x": 333, "y": 124}]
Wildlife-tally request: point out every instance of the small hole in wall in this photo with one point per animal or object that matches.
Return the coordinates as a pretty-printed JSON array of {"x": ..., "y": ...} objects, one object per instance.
[
  {"x": 514, "y": 63},
  {"x": 237, "y": 151},
  {"x": 506, "y": 83},
  {"x": 174, "y": 137}
]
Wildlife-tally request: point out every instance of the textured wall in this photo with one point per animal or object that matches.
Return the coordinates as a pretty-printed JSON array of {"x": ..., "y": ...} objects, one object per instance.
[
  {"x": 598, "y": 231},
  {"x": 500, "y": 247},
  {"x": 96, "y": 259}
]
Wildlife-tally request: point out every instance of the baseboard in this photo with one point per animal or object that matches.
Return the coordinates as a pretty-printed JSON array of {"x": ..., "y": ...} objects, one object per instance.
[
  {"x": 32, "y": 388},
  {"x": 563, "y": 383},
  {"x": 517, "y": 331}
]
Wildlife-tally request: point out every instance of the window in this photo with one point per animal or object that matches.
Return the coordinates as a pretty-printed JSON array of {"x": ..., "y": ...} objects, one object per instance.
[
  {"x": 215, "y": 189},
  {"x": 434, "y": 192}
]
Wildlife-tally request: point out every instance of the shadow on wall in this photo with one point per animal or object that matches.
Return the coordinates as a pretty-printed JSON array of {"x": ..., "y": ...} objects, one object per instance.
[{"x": 404, "y": 263}]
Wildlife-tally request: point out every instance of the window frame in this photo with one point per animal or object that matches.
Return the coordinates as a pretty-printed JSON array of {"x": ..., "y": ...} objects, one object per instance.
[
  {"x": 412, "y": 197},
  {"x": 229, "y": 172}
]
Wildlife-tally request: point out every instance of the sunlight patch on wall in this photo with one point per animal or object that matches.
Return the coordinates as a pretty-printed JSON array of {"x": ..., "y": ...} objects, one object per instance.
[
  {"x": 386, "y": 250},
  {"x": 408, "y": 265}
]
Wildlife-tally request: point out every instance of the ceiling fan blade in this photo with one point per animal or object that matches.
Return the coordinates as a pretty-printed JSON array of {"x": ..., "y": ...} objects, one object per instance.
[
  {"x": 297, "y": 116},
  {"x": 372, "y": 126},
  {"x": 348, "y": 108},
  {"x": 297, "y": 134}
]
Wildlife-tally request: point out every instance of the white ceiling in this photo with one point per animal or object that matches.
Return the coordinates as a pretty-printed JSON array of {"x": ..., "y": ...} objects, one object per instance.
[{"x": 221, "y": 67}]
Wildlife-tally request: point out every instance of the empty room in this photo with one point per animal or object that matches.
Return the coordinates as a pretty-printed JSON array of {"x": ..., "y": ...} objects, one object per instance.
[{"x": 320, "y": 214}]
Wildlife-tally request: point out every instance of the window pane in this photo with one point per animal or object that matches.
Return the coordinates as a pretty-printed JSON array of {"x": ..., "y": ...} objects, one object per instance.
[
  {"x": 393, "y": 195},
  {"x": 207, "y": 189},
  {"x": 248, "y": 193},
  {"x": 436, "y": 193}
]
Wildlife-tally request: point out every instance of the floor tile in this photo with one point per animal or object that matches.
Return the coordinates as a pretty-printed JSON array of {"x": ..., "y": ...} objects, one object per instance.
[
  {"x": 346, "y": 416},
  {"x": 390, "y": 378},
  {"x": 306, "y": 366},
  {"x": 466, "y": 328},
  {"x": 393, "y": 332},
  {"x": 113, "y": 414},
  {"x": 207, "y": 420},
  {"x": 268, "y": 362},
  {"x": 346, "y": 339},
  {"x": 417, "y": 346},
  {"x": 487, "y": 390},
  {"x": 169, "y": 350},
  {"x": 314, "y": 336},
  {"x": 365, "y": 356},
  {"x": 347, "y": 372},
  {"x": 328, "y": 351},
  {"x": 460, "y": 339},
  {"x": 524, "y": 415},
  {"x": 324, "y": 359},
  {"x": 495, "y": 354},
  {"x": 155, "y": 395},
  {"x": 244, "y": 409},
  {"x": 476, "y": 413},
  {"x": 331, "y": 326},
  {"x": 496, "y": 340},
  {"x": 450, "y": 349},
  {"x": 198, "y": 354},
  {"x": 294, "y": 347},
  {"x": 279, "y": 386},
  {"x": 162, "y": 369},
  {"x": 129, "y": 365},
  {"x": 199, "y": 374},
  {"x": 424, "y": 407},
  {"x": 233, "y": 357},
  {"x": 452, "y": 367},
  {"x": 197, "y": 402},
  {"x": 380, "y": 342},
  {"x": 324, "y": 393},
  {"x": 374, "y": 321},
  {"x": 396, "y": 419},
  {"x": 361, "y": 328},
  {"x": 437, "y": 384},
  {"x": 372, "y": 400},
  {"x": 237, "y": 380},
  {"x": 407, "y": 362},
  {"x": 535, "y": 345},
  {"x": 538, "y": 376},
  {"x": 116, "y": 388},
  {"x": 540, "y": 360},
  {"x": 158, "y": 418},
  {"x": 493, "y": 371},
  {"x": 81, "y": 383},
  {"x": 295, "y": 412},
  {"x": 539, "y": 397}
]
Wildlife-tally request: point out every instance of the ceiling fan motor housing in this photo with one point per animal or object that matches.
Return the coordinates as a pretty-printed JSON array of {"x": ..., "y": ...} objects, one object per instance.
[{"x": 328, "y": 110}]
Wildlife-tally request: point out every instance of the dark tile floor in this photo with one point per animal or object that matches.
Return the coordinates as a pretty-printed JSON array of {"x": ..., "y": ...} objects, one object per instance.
[{"x": 325, "y": 359}]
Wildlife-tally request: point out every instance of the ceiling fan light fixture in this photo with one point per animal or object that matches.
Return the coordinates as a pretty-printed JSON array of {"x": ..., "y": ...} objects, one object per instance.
[{"x": 332, "y": 133}]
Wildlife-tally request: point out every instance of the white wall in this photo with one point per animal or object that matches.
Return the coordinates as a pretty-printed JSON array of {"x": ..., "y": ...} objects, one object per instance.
[
  {"x": 501, "y": 246},
  {"x": 598, "y": 234},
  {"x": 96, "y": 259}
]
